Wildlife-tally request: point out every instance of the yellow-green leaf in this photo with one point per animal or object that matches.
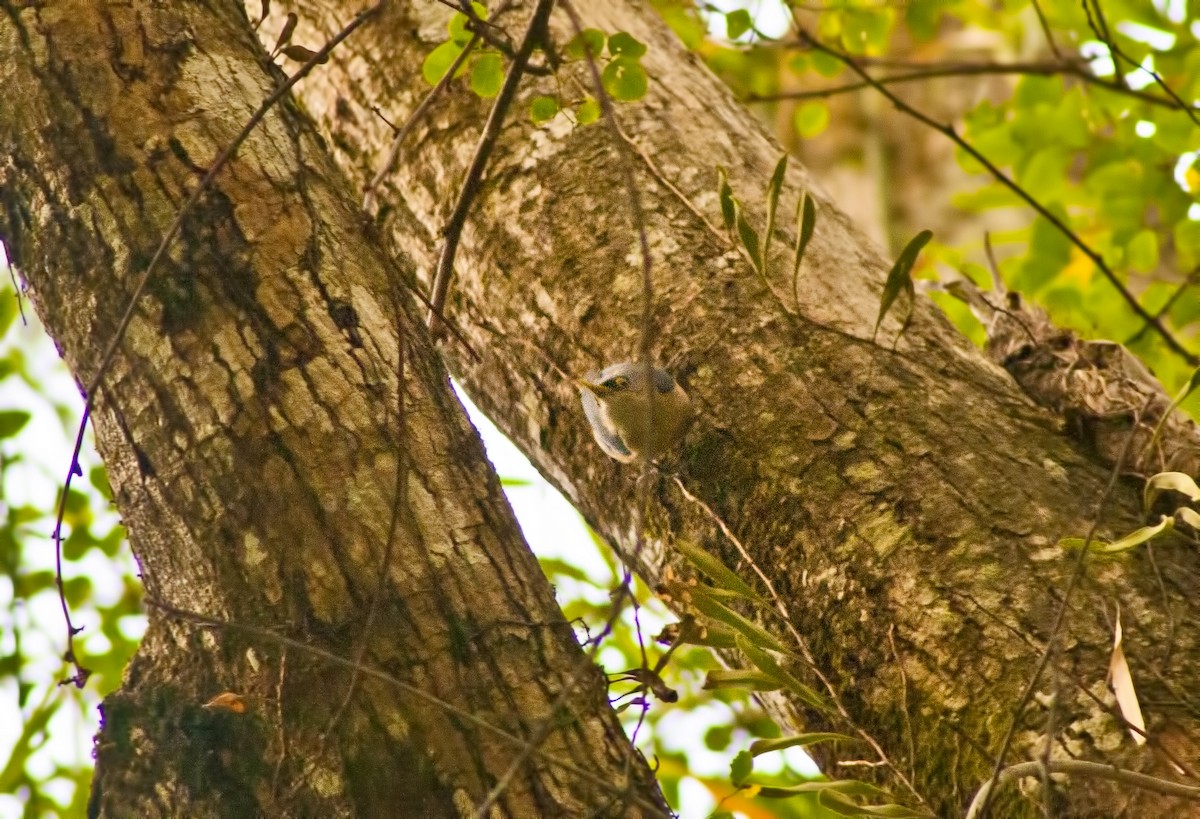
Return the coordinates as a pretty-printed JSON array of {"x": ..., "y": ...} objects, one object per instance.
[
  {"x": 543, "y": 109},
  {"x": 590, "y": 41},
  {"x": 487, "y": 74},
  {"x": 811, "y": 118},
  {"x": 587, "y": 112},
  {"x": 720, "y": 678},
  {"x": 774, "y": 187},
  {"x": 749, "y": 240},
  {"x": 899, "y": 278},
  {"x": 625, "y": 79},
  {"x": 712, "y": 566},
  {"x": 1135, "y": 538},
  {"x": 737, "y": 23},
  {"x": 438, "y": 62},
  {"x": 740, "y": 768},
  {"x": 728, "y": 203},
  {"x": 624, "y": 44},
  {"x": 718, "y": 611},
  {"x": 766, "y": 746},
  {"x": 806, "y": 223}
]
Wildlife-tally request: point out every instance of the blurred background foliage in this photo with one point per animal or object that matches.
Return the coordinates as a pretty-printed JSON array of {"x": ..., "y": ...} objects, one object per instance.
[{"x": 1089, "y": 107}]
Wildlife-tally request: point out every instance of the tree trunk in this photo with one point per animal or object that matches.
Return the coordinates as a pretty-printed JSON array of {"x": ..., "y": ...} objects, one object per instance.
[
  {"x": 902, "y": 497},
  {"x": 285, "y": 452}
]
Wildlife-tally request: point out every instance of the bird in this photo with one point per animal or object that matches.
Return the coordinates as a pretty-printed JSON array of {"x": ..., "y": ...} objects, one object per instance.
[{"x": 624, "y": 422}]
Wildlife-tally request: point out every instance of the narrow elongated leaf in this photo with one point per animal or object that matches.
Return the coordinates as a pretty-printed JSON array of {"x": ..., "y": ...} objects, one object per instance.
[
  {"x": 739, "y": 678},
  {"x": 718, "y": 611},
  {"x": 285, "y": 34},
  {"x": 766, "y": 746},
  {"x": 842, "y": 806},
  {"x": 749, "y": 239},
  {"x": 850, "y": 787},
  {"x": 773, "y": 189},
  {"x": 728, "y": 203},
  {"x": 899, "y": 280},
  {"x": 769, "y": 666},
  {"x": 712, "y": 566},
  {"x": 806, "y": 223},
  {"x": 1135, "y": 538}
]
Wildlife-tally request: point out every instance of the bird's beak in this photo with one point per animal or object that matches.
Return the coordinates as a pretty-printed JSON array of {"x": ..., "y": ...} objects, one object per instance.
[{"x": 595, "y": 389}]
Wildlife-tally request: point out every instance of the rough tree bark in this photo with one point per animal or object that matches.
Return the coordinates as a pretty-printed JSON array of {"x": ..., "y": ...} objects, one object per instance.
[
  {"x": 262, "y": 461},
  {"x": 905, "y": 500}
]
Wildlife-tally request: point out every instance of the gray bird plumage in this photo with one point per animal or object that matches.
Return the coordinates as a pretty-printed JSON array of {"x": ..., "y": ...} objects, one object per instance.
[{"x": 623, "y": 423}]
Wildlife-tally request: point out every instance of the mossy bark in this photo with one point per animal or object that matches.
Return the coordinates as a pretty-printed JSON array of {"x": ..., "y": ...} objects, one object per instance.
[
  {"x": 901, "y": 494},
  {"x": 285, "y": 452}
]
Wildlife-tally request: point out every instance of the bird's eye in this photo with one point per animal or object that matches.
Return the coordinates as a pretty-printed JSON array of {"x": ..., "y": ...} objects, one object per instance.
[{"x": 618, "y": 383}]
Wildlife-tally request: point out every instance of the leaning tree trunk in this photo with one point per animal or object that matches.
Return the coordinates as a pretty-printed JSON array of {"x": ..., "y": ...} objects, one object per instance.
[
  {"x": 286, "y": 454},
  {"x": 902, "y": 497}
]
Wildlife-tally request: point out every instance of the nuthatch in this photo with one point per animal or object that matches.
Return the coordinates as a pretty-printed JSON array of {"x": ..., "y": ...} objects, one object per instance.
[{"x": 616, "y": 405}]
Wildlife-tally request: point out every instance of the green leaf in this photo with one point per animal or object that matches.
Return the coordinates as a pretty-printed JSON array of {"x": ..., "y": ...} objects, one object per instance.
[
  {"x": 806, "y": 223},
  {"x": 587, "y": 112},
  {"x": 712, "y": 566},
  {"x": 767, "y": 664},
  {"x": 1189, "y": 516},
  {"x": 711, "y": 635},
  {"x": 12, "y": 422},
  {"x": 853, "y": 787},
  {"x": 899, "y": 279},
  {"x": 773, "y": 189},
  {"x": 737, "y": 23},
  {"x": 811, "y": 118},
  {"x": 98, "y": 477},
  {"x": 487, "y": 74},
  {"x": 728, "y": 203},
  {"x": 1135, "y": 538},
  {"x": 723, "y": 678},
  {"x": 740, "y": 768},
  {"x": 28, "y": 741},
  {"x": 825, "y": 64},
  {"x": 749, "y": 241},
  {"x": 438, "y": 62},
  {"x": 625, "y": 79},
  {"x": 459, "y": 33},
  {"x": 842, "y": 806},
  {"x": 624, "y": 44},
  {"x": 1142, "y": 251},
  {"x": 766, "y": 746},
  {"x": 589, "y": 42},
  {"x": 718, "y": 611},
  {"x": 543, "y": 109}
]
